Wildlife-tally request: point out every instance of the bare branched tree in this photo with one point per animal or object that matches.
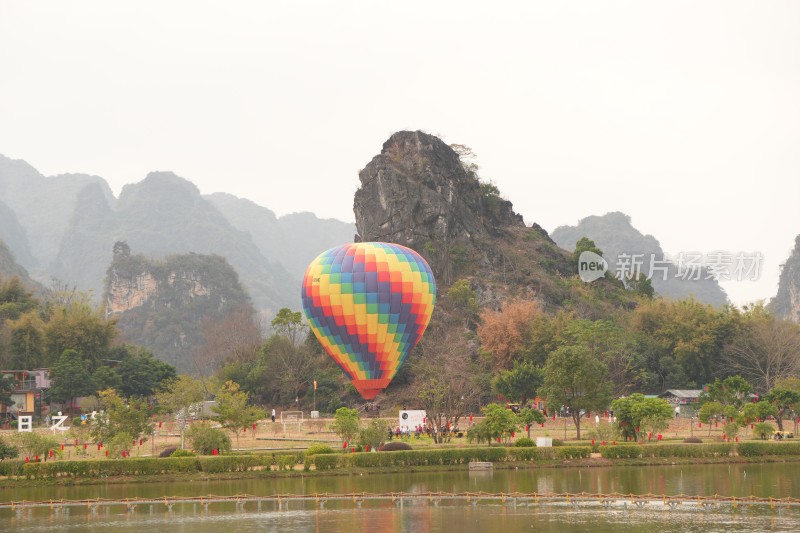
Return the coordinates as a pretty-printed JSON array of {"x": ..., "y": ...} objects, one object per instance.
[
  {"x": 447, "y": 379},
  {"x": 61, "y": 295},
  {"x": 290, "y": 365},
  {"x": 768, "y": 349},
  {"x": 235, "y": 339}
]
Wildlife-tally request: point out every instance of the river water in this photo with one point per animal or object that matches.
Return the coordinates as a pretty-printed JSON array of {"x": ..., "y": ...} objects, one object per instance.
[{"x": 769, "y": 480}]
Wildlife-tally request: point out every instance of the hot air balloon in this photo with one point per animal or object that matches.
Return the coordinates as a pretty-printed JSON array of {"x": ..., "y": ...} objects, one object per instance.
[{"x": 369, "y": 303}]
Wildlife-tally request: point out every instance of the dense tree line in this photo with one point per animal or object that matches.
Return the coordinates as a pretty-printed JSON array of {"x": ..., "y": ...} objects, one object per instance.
[
  {"x": 62, "y": 331},
  {"x": 473, "y": 353}
]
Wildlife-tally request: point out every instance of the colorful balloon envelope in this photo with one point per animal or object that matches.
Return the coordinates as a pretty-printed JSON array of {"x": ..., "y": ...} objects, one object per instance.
[{"x": 369, "y": 303}]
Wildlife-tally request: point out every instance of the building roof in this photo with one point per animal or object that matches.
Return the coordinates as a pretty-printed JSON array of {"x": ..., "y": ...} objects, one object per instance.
[{"x": 682, "y": 393}]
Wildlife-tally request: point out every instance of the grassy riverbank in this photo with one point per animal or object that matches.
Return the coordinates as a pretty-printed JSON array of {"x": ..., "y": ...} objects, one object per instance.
[
  {"x": 10, "y": 483},
  {"x": 277, "y": 465}
]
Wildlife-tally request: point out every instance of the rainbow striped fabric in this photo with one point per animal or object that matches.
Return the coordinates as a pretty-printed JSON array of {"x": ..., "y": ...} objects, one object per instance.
[{"x": 369, "y": 303}]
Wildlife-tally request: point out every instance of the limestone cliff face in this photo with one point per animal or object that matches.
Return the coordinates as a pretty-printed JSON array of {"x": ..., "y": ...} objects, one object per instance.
[
  {"x": 125, "y": 294},
  {"x": 131, "y": 292},
  {"x": 786, "y": 303},
  {"x": 417, "y": 191},
  {"x": 163, "y": 304}
]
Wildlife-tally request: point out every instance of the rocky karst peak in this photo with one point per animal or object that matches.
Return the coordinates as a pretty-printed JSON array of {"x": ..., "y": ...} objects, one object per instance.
[{"x": 417, "y": 191}]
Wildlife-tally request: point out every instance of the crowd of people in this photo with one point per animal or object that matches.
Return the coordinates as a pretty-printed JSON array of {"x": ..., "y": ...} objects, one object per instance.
[{"x": 419, "y": 430}]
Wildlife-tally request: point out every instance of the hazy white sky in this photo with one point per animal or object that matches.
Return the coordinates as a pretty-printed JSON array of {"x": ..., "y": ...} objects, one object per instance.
[{"x": 683, "y": 114}]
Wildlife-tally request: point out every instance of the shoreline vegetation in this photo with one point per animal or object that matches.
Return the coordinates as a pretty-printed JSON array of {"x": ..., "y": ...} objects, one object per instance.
[{"x": 271, "y": 465}]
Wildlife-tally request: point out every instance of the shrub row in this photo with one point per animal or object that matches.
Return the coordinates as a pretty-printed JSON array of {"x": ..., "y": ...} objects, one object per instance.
[
  {"x": 447, "y": 456},
  {"x": 457, "y": 456},
  {"x": 154, "y": 465},
  {"x": 666, "y": 450},
  {"x": 756, "y": 449},
  {"x": 538, "y": 454},
  {"x": 113, "y": 467},
  {"x": 230, "y": 463},
  {"x": 11, "y": 468}
]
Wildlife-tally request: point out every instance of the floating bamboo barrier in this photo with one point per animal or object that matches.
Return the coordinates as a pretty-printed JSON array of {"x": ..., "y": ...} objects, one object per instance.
[{"x": 281, "y": 502}]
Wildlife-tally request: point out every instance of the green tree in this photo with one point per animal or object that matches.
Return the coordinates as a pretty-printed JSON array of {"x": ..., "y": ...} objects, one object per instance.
[
  {"x": 681, "y": 343},
  {"x": 609, "y": 343},
  {"x": 709, "y": 412},
  {"x": 731, "y": 429},
  {"x": 640, "y": 284},
  {"x": 15, "y": 299},
  {"x": 346, "y": 423},
  {"x": 752, "y": 412},
  {"x": 575, "y": 380},
  {"x": 141, "y": 373},
  {"x": 529, "y": 417},
  {"x": 233, "y": 410},
  {"x": 118, "y": 443},
  {"x": 290, "y": 324},
  {"x": 518, "y": 384},
  {"x": 637, "y": 414},
  {"x": 27, "y": 342},
  {"x": 373, "y": 434},
  {"x": 763, "y": 430},
  {"x": 733, "y": 390},
  {"x": 253, "y": 377},
  {"x": 655, "y": 424},
  {"x": 498, "y": 422},
  {"x": 205, "y": 439},
  {"x": 33, "y": 443},
  {"x": 117, "y": 415},
  {"x": 7, "y": 387},
  {"x": 179, "y": 397},
  {"x": 546, "y": 334},
  {"x": 7, "y": 451},
  {"x": 784, "y": 400},
  {"x": 464, "y": 300},
  {"x": 584, "y": 244},
  {"x": 70, "y": 379},
  {"x": 106, "y": 377},
  {"x": 78, "y": 327}
]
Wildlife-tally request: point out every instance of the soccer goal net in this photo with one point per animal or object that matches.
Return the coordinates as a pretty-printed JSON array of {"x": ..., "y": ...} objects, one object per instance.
[{"x": 292, "y": 419}]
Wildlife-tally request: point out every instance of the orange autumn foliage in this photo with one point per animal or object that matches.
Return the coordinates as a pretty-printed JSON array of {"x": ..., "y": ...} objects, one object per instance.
[{"x": 504, "y": 334}]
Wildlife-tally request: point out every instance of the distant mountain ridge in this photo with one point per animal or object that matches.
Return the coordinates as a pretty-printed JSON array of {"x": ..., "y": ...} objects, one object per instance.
[
  {"x": 65, "y": 227},
  {"x": 9, "y": 268},
  {"x": 15, "y": 236},
  {"x": 159, "y": 216},
  {"x": 614, "y": 234},
  {"x": 43, "y": 207},
  {"x": 294, "y": 240}
]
